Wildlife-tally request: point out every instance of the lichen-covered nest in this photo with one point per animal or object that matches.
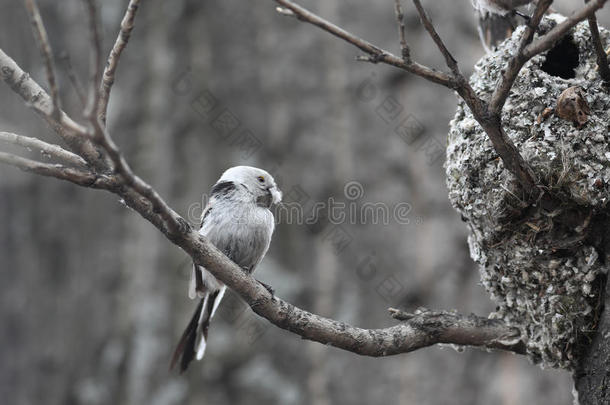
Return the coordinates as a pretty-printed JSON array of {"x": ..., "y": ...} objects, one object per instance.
[{"x": 543, "y": 264}]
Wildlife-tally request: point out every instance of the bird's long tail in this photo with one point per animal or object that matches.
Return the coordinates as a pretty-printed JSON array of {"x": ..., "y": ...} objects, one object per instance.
[{"x": 194, "y": 339}]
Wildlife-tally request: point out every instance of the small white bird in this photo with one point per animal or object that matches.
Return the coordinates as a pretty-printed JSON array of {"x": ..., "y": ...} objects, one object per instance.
[
  {"x": 497, "y": 20},
  {"x": 501, "y": 7},
  {"x": 239, "y": 222}
]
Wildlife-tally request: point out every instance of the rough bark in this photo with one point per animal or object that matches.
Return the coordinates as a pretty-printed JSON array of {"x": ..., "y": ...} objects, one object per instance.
[{"x": 591, "y": 374}]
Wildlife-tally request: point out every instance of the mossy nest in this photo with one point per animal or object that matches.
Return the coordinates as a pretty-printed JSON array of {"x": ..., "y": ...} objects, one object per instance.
[{"x": 543, "y": 263}]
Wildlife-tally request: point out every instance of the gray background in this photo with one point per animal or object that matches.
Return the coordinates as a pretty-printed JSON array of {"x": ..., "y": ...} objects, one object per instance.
[{"x": 93, "y": 299}]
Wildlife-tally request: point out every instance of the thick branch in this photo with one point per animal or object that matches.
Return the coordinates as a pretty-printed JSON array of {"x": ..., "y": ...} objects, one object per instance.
[
  {"x": 115, "y": 54},
  {"x": 46, "y": 148},
  {"x": 420, "y": 331}
]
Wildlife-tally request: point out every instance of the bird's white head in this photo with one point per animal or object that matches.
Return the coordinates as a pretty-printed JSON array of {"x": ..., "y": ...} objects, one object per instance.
[{"x": 257, "y": 181}]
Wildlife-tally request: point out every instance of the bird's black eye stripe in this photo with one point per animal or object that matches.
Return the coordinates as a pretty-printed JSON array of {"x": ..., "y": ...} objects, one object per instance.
[{"x": 223, "y": 188}]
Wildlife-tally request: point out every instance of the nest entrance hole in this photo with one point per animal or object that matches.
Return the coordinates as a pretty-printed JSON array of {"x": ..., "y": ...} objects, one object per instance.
[{"x": 562, "y": 59}]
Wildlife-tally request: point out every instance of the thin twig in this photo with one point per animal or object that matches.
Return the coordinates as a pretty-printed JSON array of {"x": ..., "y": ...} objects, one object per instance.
[
  {"x": 602, "y": 58},
  {"x": 76, "y": 84},
  {"x": 115, "y": 54},
  {"x": 404, "y": 46},
  {"x": 530, "y": 48},
  {"x": 427, "y": 23},
  {"x": 47, "y": 54},
  {"x": 499, "y": 96},
  {"x": 378, "y": 55},
  {"x": 548, "y": 40},
  {"x": 95, "y": 61},
  {"x": 44, "y": 147},
  {"x": 71, "y": 174}
]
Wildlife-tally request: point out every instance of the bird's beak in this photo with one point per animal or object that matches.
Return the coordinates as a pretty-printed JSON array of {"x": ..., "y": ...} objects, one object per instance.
[{"x": 276, "y": 195}]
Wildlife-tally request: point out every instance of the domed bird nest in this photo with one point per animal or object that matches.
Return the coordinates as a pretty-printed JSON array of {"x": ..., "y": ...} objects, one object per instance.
[{"x": 544, "y": 264}]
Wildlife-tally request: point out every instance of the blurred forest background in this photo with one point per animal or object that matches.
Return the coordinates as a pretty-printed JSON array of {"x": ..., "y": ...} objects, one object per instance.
[{"x": 93, "y": 298}]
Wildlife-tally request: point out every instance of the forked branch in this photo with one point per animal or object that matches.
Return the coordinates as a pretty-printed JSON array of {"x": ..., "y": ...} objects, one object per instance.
[{"x": 487, "y": 114}]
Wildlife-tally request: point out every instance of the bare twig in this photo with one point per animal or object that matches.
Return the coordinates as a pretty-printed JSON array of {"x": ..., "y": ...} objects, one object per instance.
[
  {"x": 529, "y": 49},
  {"x": 71, "y": 174},
  {"x": 65, "y": 57},
  {"x": 427, "y": 23},
  {"x": 404, "y": 46},
  {"x": 548, "y": 40},
  {"x": 499, "y": 96},
  {"x": 46, "y": 52},
  {"x": 285, "y": 11},
  {"x": 378, "y": 55},
  {"x": 115, "y": 54},
  {"x": 95, "y": 62},
  {"x": 602, "y": 58},
  {"x": 46, "y": 148}
]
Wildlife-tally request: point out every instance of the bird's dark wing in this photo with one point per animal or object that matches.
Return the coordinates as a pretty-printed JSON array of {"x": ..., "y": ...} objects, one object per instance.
[{"x": 222, "y": 189}]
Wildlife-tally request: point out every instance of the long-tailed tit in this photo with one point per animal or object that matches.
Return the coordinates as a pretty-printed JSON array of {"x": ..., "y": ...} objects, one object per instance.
[
  {"x": 239, "y": 222},
  {"x": 497, "y": 20},
  {"x": 501, "y": 7}
]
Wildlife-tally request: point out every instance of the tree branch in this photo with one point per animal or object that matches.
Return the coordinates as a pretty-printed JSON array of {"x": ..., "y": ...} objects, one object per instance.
[
  {"x": 115, "y": 54},
  {"x": 46, "y": 148},
  {"x": 510, "y": 155},
  {"x": 404, "y": 46},
  {"x": 422, "y": 330},
  {"x": 425, "y": 20},
  {"x": 377, "y": 54},
  {"x": 45, "y": 50},
  {"x": 602, "y": 58},
  {"x": 95, "y": 63},
  {"x": 73, "y": 175},
  {"x": 499, "y": 96},
  {"x": 547, "y": 41}
]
